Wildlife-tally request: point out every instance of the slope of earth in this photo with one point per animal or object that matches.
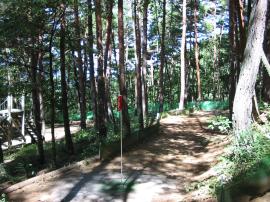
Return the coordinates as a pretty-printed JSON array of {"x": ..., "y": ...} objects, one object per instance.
[{"x": 160, "y": 169}]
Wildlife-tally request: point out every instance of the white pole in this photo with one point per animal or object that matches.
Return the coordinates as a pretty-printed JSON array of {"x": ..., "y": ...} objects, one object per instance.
[{"x": 121, "y": 133}]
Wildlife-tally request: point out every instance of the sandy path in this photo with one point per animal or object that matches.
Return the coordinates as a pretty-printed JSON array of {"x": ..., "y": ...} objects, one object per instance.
[
  {"x": 59, "y": 134},
  {"x": 158, "y": 170}
]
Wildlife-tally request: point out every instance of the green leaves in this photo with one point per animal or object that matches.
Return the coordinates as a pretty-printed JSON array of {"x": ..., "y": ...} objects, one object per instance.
[{"x": 220, "y": 123}]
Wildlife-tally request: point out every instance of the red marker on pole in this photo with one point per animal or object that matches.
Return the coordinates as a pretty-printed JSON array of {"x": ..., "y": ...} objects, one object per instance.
[{"x": 120, "y": 103}]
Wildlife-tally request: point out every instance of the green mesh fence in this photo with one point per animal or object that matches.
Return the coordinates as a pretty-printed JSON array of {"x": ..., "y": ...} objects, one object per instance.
[
  {"x": 154, "y": 108},
  {"x": 208, "y": 105}
]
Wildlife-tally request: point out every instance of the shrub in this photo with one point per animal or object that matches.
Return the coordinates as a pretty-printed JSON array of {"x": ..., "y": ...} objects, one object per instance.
[
  {"x": 220, "y": 123},
  {"x": 3, "y": 198},
  {"x": 244, "y": 158}
]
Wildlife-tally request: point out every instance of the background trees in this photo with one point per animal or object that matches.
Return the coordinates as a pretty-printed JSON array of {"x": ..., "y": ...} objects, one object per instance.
[{"x": 89, "y": 52}]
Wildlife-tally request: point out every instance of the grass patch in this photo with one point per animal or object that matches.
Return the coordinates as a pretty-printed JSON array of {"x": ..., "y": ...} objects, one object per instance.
[{"x": 244, "y": 169}]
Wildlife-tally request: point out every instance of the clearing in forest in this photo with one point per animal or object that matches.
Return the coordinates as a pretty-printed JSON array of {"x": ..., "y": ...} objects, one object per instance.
[{"x": 160, "y": 169}]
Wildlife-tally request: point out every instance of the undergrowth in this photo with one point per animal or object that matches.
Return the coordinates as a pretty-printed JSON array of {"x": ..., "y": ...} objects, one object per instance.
[{"x": 246, "y": 159}]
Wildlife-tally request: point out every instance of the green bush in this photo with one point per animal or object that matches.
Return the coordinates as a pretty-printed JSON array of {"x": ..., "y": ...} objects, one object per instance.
[
  {"x": 220, "y": 123},
  {"x": 3, "y": 198},
  {"x": 3, "y": 174},
  {"x": 246, "y": 159},
  {"x": 84, "y": 135}
]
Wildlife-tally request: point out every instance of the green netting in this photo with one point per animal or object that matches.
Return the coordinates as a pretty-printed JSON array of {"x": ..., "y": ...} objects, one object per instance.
[
  {"x": 154, "y": 108},
  {"x": 208, "y": 105}
]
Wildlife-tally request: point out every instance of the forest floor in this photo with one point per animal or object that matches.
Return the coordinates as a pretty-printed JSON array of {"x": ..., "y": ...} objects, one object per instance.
[{"x": 161, "y": 169}]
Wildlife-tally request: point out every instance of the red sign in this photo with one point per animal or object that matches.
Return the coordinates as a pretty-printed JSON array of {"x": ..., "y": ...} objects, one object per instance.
[{"x": 120, "y": 102}]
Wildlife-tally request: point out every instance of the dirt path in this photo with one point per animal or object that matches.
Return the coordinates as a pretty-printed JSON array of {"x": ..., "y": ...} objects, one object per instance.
[
  {"x": 59, "y": 134},
  {"x": 158, "y": 170}
]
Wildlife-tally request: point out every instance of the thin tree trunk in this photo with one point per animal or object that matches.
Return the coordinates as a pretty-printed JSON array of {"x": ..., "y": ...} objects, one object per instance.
[
  {"x": 183, "y": 66},
  {"x": 122, "y": 79},
  {"x": 233, "y": 57},
  {"x": 249, "y": 9},
  {"x": 36, "y": 107},
  {"x": 36, "y": 99},
  {"x": 40, "y": 80},
  {"x": 266, "y": 74},
  {"x": 52, "y": 97},
  {"x": 106, "y": 53},
  {"x": 215, "y": 69},
  {"x": 101, "y": 80},
  {"x": 68, "y": 138},
  {"x": 81, "y": 77},
  {"x": 198, "y": 74},
  {"x": 138, "y": 65},
  {"x": 91, "y": 64},
  {"x": 109, "y": 101},
  {"x": 162, "y": 60},
  {"x": 241, "y": 22},
  {"x": 242, "y": 106},
  {"x": 144, "y": 56},
  {"x": 1, "y": 153}
]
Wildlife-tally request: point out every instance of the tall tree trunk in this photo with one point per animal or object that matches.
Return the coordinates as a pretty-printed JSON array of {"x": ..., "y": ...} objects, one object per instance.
[
  {"x": 36, "y": 99},
  {"x": 52, "y": 96},
  {"x": 139, "y": 64},
  {"x": 68, "y": 138},
  {"x": 81, "y": 78},
  {"x": 144, "y": 57},
  {"x": 109, "y": 101},
  {"x": 122, "y": 79},
  {"x": 162, "y": 60},
  {"x": 241, "y": 22},
  {"x": 91, "y": 64},
  {"x": 76, "y": 80},
  {"x": 40, "y": 80},
  {"x": 233, "y": 55},
  {"x": 36, "y": 108},
  {"x": 108, "y": 109},
  {"x": 183, "y": 66},
  {"x": 242, "y": 106},
  {"x": 266, "y": 74},
  {"x": 1, "y": 153},
  {"x": 101, "y": 80},
  {"x": 197, "y": 62},
  {"x": 249, "y": 9}
]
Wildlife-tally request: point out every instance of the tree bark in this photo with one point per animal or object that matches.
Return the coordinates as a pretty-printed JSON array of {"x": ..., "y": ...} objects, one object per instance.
[
  {"x": 242, "y": 106},
  {"x": 91, "y": 64},
  {"x": 101, "y": 80},
  {"x": 76, "y": 80},
  {"x": 40, "y": 80},
  {"x": 36, "y": 99},
  {"x": 241, "y": 22},
  {"x": 52, "y": 97},
  {"x": 144, "y": 57},
  {"x": 1, "y": 153},
  {"x": 183, "y": 66},
  {"x": 197, "y": 62},
  {"x": 68, "y": 138},
  {"x": 139, "y": 64},
  {"x": 108, "y": 109},
  {"x": 266, "y": 74},
  {"x": 122, "y": 79},
  {"x": 162, "y": 60},
  {"x": 233, "y": 55},
  {"x": 81, "y": 77}
]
